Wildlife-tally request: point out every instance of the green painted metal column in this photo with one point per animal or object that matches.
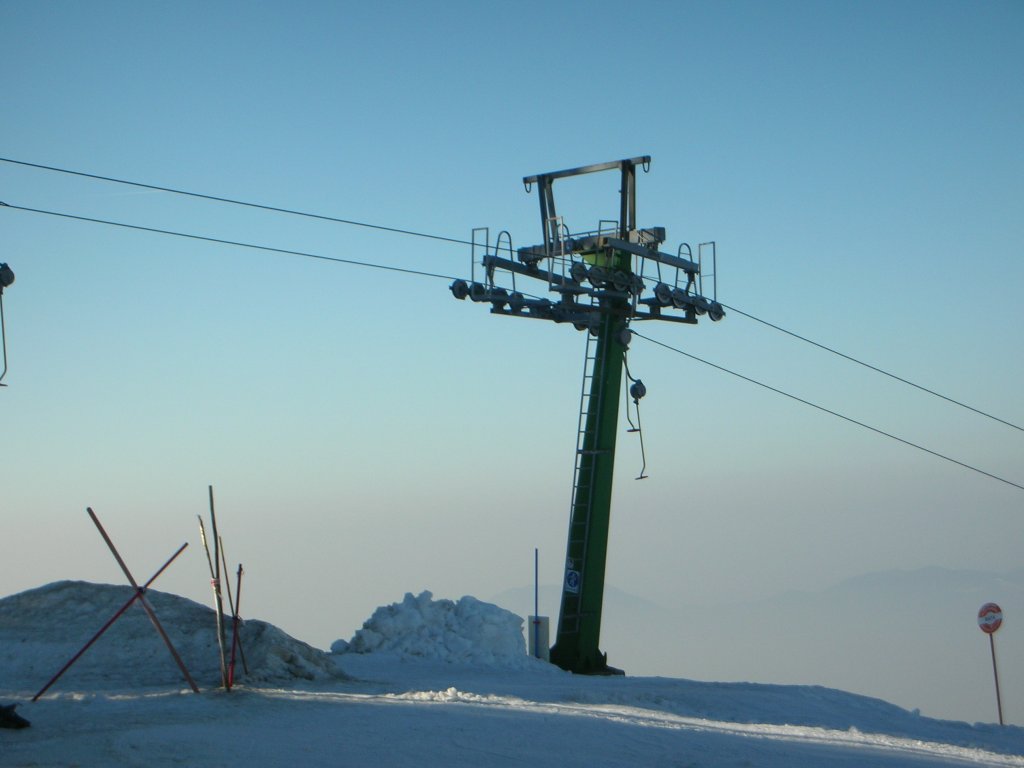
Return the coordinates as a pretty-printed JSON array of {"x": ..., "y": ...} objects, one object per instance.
[{"x": 579, "y": 628}]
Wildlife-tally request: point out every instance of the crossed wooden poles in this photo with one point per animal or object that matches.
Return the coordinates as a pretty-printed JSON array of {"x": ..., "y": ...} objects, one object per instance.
[{"x": 140, "y": 595}]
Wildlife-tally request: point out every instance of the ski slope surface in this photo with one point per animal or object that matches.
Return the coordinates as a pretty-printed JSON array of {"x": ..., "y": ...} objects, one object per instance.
[{"x": 425, "y": 681}]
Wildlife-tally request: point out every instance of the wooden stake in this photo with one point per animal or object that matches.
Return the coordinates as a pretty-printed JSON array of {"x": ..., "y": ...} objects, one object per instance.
[
  {"x": 218, "y": 600},
  {"x": 234, "y": 603}
]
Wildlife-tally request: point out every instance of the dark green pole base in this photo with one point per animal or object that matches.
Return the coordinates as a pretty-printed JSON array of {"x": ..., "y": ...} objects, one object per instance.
[{"x": 583, "y": 664}]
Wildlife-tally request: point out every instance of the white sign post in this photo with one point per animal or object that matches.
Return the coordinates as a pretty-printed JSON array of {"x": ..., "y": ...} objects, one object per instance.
[{"x": 990, "y": 618}]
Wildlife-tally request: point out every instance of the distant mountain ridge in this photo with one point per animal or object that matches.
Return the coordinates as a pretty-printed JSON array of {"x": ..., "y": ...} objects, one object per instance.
[{"x": 907, "y": 636}]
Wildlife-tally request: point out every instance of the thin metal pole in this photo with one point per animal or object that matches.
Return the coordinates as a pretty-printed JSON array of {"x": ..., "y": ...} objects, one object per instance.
[
  {"x": 536, "y": 602},
  {"x": 227, "y": 581},
  {"x": 218, "y": 599},
  {"x": 236, "y": 640},
  {"x": 241, "y": 648},
  {"x": 229, "y": 681},
  {"x": 995, "y": 673},
  {"x": 3, "y": 336},
  {"x": 233, "y": 603}
]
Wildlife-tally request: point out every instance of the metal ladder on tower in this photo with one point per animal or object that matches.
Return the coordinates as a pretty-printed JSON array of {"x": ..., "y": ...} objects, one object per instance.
[{"x": 583, "y": 485}]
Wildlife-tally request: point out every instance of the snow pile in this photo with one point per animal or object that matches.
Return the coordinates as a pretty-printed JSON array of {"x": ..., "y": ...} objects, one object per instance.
[
  {"x": 468, "y": 630},
  {"x": 41, "y": 629}
]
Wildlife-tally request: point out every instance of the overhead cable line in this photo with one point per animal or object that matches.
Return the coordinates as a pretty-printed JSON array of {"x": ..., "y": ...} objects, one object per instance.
[
  {"x": 872, "y": 367},
  {"x": 221, "y": 241},
  {"x": 413, "y": 233},
  {"x": 830, "y": 412},
  {"x": 420, "y": 273},
  {"x": 244, "y": 203}
]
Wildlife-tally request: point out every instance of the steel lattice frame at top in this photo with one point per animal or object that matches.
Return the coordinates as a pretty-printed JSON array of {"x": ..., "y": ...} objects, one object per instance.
[{"x": 600, "y": 282}]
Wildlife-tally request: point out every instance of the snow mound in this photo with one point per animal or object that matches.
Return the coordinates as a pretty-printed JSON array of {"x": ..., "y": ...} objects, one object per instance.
[
  {"x": 468, "y": 631},
  {"x": 41, "y": 629}
]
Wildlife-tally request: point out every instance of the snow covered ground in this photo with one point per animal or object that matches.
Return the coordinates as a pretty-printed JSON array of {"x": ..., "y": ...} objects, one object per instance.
[{"x": 436, "y": 682}]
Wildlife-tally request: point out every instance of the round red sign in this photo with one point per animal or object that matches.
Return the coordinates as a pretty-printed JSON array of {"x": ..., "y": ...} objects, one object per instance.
[{"x": 990, "y": 618}]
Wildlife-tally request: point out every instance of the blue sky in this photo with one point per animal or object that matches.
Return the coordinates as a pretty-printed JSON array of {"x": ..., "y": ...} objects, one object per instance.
[{"x": 859, "y": 166}]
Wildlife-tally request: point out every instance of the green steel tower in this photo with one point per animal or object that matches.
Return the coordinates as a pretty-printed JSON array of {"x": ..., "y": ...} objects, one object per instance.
[{"x": 599, "y": 279}]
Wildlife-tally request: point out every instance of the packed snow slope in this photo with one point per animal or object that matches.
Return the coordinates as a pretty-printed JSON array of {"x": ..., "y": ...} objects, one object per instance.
[
  {"x": 41, "y": 629},
  {"x": 425, "y": 681}
]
